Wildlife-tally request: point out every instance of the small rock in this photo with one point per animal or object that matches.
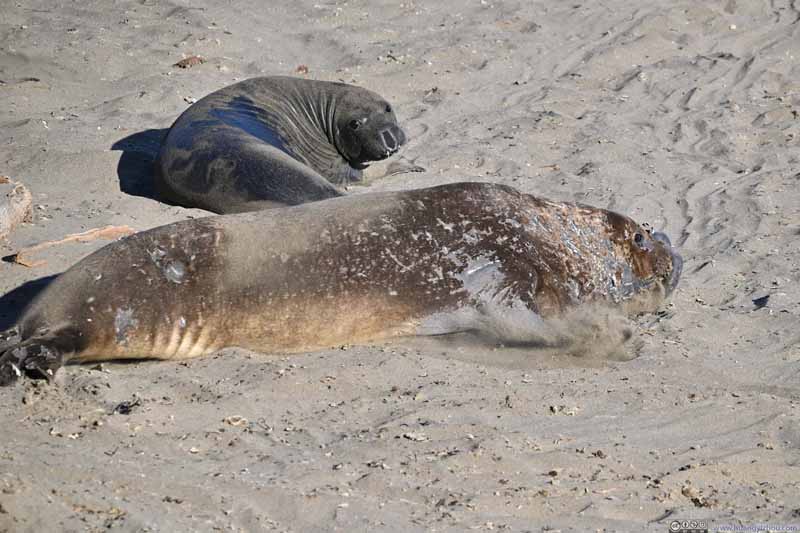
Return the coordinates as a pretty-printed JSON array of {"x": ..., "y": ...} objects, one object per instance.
[
  {"x": 190, "y": 62},
  {"x": 415, "y": 436},
  {"x": 760, "y": 302},
  {"x": 126, "y": 408},
  {"x": 236, "y": 420}
]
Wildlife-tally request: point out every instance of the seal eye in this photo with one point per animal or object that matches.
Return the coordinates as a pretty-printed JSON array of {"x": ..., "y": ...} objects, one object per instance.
[
  {"x": 388, "y": 108},
  {"x": 638, "y": 238},
  {"x": 354, "y": 124}
]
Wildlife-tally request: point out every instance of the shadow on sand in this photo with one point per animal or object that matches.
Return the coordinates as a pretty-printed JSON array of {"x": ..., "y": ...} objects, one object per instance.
[
  {"x": 135, "y": 168},
  {"x": 13, "y": 303}
]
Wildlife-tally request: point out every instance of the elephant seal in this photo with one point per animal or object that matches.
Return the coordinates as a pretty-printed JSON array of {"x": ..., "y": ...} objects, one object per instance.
[
  {"x": 347, "y": 270},
  {"x": 273, "y": 141}
]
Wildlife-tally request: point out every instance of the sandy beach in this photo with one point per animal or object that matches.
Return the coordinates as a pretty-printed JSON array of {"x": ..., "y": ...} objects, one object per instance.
[{"x": 680, "y": 114}]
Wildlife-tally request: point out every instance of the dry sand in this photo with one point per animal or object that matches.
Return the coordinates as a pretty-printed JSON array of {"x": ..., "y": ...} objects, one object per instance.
[{"x": 681, "y": 114}]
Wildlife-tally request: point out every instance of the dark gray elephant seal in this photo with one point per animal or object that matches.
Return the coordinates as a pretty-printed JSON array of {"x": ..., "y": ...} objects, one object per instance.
[
  {"x": 273, "y": 141},
  {"x": 347, "y": 270}
]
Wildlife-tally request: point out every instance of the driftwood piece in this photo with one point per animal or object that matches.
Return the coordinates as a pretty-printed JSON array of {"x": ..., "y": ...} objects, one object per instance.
[
  {"x": 15, "y": 205},
  {"x": 23, "y": 257},
  {"x": 190, "y": 62}
]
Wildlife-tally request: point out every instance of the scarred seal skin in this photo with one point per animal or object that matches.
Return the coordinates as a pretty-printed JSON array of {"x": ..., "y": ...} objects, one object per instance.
[
  {"x": 347, "y": 270},
  {"x": 274, "y": 141}
]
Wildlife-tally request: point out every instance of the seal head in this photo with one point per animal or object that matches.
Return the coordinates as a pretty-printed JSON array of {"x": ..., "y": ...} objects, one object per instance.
[
  {"x": 366, "y": 129},
  {"x": 649, "y": 257}
]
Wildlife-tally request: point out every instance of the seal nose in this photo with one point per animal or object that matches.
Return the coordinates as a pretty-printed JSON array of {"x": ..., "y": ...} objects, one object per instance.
[
  {"x": 389, "y": 140},
  {"x": 677, "y": 261}
]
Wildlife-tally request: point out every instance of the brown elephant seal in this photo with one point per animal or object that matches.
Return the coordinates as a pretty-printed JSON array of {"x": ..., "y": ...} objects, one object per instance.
[
  {"x": 347, "y": 270},
  {"x": 273, "y": 141}
]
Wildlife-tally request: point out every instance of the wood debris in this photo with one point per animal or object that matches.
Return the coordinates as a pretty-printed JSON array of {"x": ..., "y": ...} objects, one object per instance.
[
  {"x": 16, "y": 205},
  {"x": 23, "y": 258},
  {"x": 189, "y": 62}
]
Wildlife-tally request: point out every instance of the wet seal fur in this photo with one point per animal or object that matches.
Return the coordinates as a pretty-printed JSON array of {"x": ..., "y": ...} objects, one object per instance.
[
  {"x": 274, "y": 141},
  {"x": 347, "y": 270}
]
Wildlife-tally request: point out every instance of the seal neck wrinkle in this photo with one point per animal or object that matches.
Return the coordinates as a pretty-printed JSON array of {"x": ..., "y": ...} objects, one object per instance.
[
  {"x": 310, "y": 128},
  {"x": 343, "y": 171}
]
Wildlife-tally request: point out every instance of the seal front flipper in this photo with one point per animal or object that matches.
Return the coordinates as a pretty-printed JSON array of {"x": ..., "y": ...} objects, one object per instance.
[
  {"x": 403, "y": 166},
  {"x": 384, "y": 169}
]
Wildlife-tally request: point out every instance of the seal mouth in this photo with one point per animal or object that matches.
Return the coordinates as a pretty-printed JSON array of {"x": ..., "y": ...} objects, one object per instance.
[
  {"x": 677, "y": 261},
  {"x": 379, "y": 146}
]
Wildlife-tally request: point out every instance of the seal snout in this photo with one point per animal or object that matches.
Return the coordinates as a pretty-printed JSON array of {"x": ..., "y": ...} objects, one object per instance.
[{"x": 677, "y": 261}]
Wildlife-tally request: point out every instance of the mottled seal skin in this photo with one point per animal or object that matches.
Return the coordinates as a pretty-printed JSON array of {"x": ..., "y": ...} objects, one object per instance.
[
  {"x": 274, "y": 141},
  {"x": 347, "y": 270}
]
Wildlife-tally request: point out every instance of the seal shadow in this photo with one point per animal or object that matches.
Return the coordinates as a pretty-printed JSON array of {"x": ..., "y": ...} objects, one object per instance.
[
  {"x": 14, "y": 302},
  {"x": 135, "y": 168}
]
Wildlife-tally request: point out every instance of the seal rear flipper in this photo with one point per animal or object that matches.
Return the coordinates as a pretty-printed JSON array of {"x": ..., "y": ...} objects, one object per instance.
[
  {"x": 36, "y": 358},
  {"x": 267, "y": 174}
]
